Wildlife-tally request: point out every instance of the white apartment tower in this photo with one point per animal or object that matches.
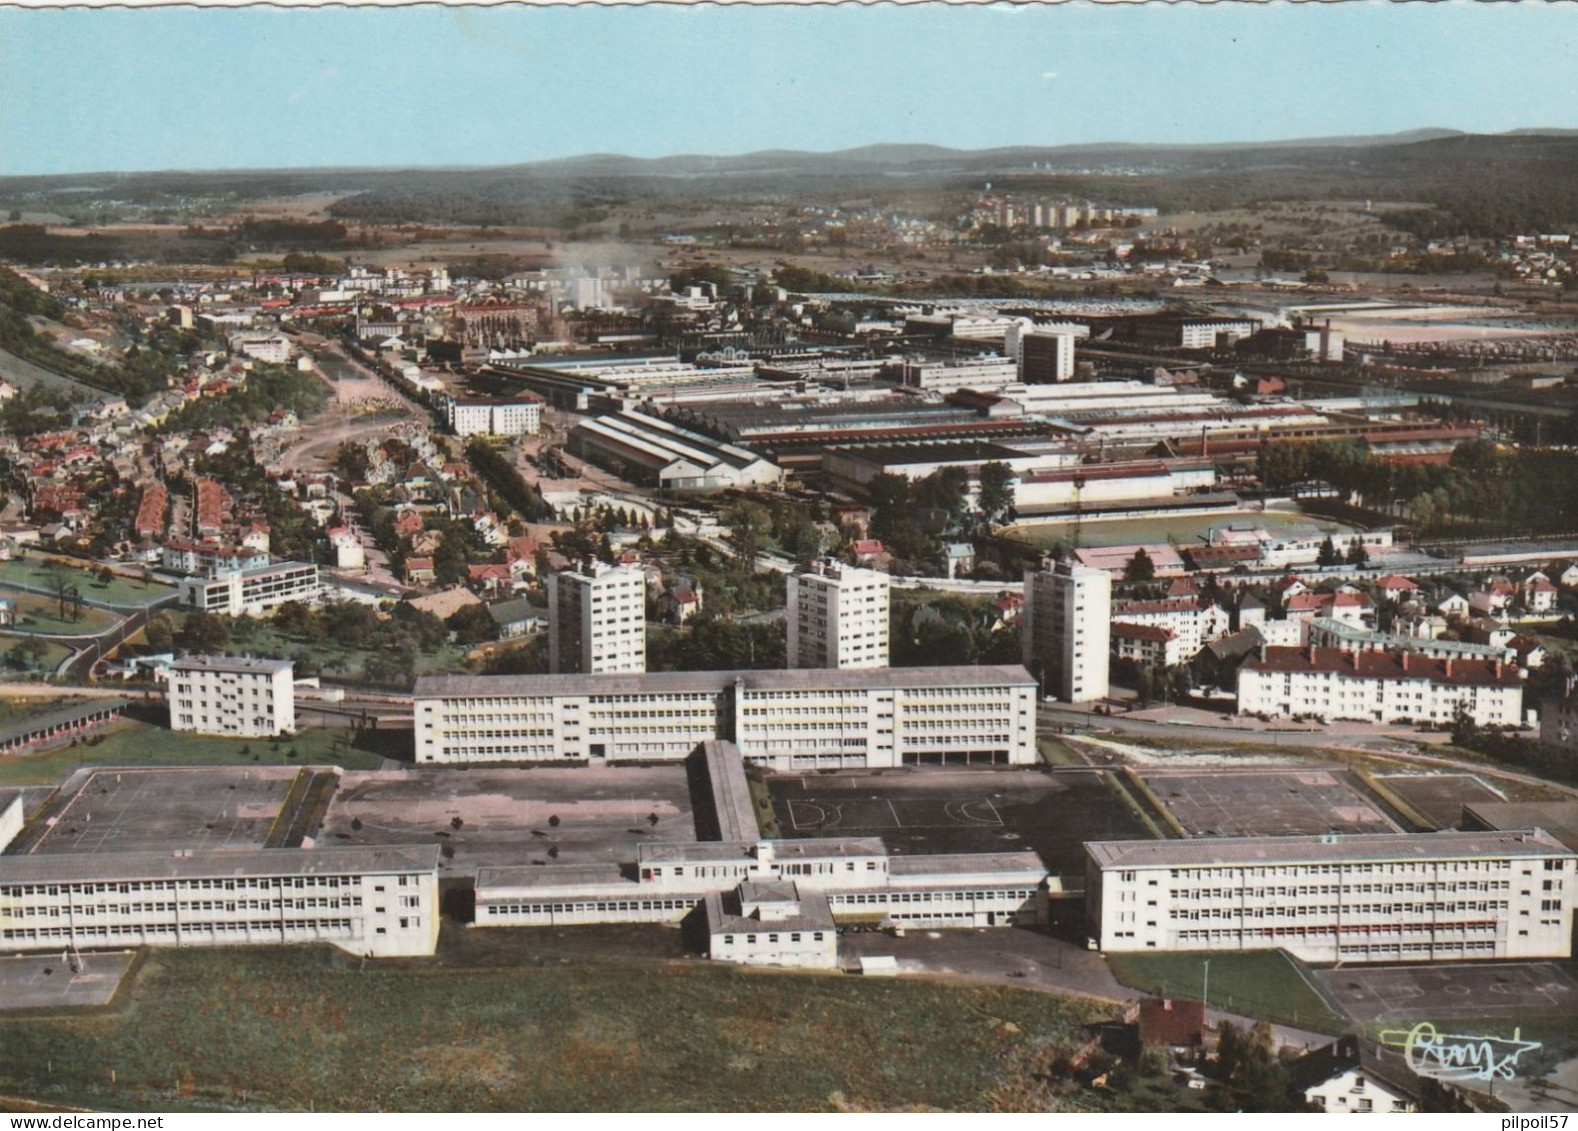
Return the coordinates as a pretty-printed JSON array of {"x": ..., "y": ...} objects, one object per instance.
[
  {"x": 1045, "y": 356},
  {"x": 597, "y": 620},
  {"x": 231, "y": 696},
  {"x": 1067, "y": 622},
  {"x": 838, "y": 617}
]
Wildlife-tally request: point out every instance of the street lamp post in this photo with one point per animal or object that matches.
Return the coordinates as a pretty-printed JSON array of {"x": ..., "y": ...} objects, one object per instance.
[{"x": 1205, "y": 988}]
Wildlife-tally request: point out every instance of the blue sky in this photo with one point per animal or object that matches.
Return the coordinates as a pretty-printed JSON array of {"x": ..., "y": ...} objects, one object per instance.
[{"x": 120, "y": 89}]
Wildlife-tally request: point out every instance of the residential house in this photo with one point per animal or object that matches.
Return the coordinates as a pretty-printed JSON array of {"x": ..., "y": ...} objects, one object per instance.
[
  {"x": 958, "y": 558},
  {"x": 493, "y": 577},
  {"x": 1354, "y": 1075},
  {"x": 513, "y": 618},
  {"x": 1539, "y": 593},
  {"x": 419, "y": 571},
  {"x": 1395, "y": 587},
  {"x": 680, "y": 604},
  {"x": 1453, "y": 605}
]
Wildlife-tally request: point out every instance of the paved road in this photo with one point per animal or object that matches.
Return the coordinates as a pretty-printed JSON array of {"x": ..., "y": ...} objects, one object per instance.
[{"x": 1024, "y": 959}]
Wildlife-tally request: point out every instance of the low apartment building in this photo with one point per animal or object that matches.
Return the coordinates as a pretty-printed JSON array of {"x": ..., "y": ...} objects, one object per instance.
[
  {"x": 1148, "y": 645},
  {"x": 1559, "y": 724},
  {"x": 1387, "y": 897},
  {"x": 229, "y": 695},
  {"x": 1379, "y": 687},
  {"x": 253, "y": 592},
  {"x": 789, "y": 720},
  {"x": 1193, "y": 624},
  {"x": 381, "y": 901},
  {"x": 470, "y": 416}
]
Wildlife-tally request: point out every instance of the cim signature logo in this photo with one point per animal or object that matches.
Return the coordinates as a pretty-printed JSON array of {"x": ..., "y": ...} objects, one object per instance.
[{"x": 1459, "y": 1056}]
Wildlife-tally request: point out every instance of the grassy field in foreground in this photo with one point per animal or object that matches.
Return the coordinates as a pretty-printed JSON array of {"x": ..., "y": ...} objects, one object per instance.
[
  {"x": 298, "y": 1029},
  {"x": 1256, "y": 983},
  {"x": 132, "y": 743}
]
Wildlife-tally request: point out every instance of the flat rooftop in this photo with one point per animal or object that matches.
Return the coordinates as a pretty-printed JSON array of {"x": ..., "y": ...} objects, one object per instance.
[
  {"x": 1366, "y": 848},
  {"x": 242, "y": 665},
  {"x": 655, "y": 683},
  {"x": 127, "y": 866},
  {"x": 508, "y": 816},
  {"x": 112, "y": 811},
  {"x": 1558, "y": 818}
]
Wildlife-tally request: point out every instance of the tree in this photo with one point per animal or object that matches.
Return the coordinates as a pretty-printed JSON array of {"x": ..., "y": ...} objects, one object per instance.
[
  {"x": 1357, "y": 554},
  {"x": 996, "y": 497},
  {"x": 1328, "y": 555},
  {"x": 203, "y": 632},
  {"x": 1140, "y": 567},
  {"x": 105, "y": 576},
  {"x": 159, "y": 633}
]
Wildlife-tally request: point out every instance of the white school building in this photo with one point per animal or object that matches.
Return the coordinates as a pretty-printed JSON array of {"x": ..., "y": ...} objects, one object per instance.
[
  {"x": 787, "y": 720},
  {"x": 1385, "y": 897},
  {"x": 372, "y": 901}
]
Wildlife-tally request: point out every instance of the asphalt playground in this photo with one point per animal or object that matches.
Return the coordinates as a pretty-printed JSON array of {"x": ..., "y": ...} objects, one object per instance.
[
  {"x": 1508, "y": 991},
  {"x": 1266, "y": 802}
]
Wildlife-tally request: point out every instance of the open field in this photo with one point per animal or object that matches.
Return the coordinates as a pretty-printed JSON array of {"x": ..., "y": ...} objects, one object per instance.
[
  {"x": 1440, "y": 798},
  {"x": 1264, "y": 802},
  {"x": 54, "y": 651},
  {"x": 153, "y": 810},
  {"x": 1259, "y": 983},
  {"x": 1511, "y": 990},
  {"x": 132, "y": 743},
  {"x": 38, "y": 573},
  {"x": 939, "y": 810},
  {"x": 506, "y": 814},
  {"x": 303, "y": 1029},
  {"x": 42, "y": 614},
  {"x": 1182, "y": 528}
]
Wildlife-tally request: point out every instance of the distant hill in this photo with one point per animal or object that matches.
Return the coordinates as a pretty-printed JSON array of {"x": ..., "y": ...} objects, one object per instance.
[{"x": 1480, "y": 184}]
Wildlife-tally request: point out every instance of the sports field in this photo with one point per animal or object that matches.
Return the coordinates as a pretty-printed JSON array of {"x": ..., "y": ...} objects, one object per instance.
[
  {"x": 1513, "y": 990},
  {"x": 1264, "y": 802},
  {"x": 940, "y": 810}
]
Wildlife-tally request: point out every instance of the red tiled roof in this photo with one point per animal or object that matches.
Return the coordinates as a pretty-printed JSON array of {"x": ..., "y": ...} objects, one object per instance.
[
  {"x": 1387, "y": 665},
  {"x": 1155, "y": 632}
]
